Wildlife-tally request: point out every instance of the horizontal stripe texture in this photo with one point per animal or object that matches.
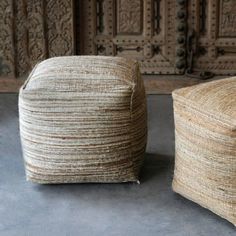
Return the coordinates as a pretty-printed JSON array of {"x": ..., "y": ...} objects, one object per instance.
[
  {"x": 205, "y": 136},
  {"x": 83, "y": 119}
]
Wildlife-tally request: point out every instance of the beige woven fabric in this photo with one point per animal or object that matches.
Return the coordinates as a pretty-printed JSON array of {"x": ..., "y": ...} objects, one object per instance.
[
  {"x": 205, "y": 133},
  {"x": 83, "y": 119}
]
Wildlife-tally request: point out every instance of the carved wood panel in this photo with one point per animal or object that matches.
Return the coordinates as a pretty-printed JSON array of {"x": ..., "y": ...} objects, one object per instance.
[
  {"x": 60, "y": 28},
  {"x": 151, "y": 31},
  {"x": 7, "y": 60},
  {"x": 22, "y": 64},
  {"x": 145, "y": 30},
  {"x": 37, "y": 33},
  {"x": 214, "y": 22},
  {"x": 33, "y": 30}
]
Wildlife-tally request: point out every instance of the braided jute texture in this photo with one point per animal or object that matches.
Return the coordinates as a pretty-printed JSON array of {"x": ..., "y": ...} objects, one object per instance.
[
  {"x": 83, "y": 119},
  {"x": 205, "y": 136}
]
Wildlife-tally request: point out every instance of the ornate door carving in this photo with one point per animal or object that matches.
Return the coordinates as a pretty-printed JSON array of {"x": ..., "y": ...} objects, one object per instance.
[
  {"x": 155, "y": 32},
  {"x": 142, "y": 29},
  {"x": 33, "y": 30},
  {"x": 214, "y": 23},
  {"x": 7, "y": 55}
]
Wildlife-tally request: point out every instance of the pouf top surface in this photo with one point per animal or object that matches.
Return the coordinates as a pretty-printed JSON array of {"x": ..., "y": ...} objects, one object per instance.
[
  {"x": 59, "y": 73},
  {"x": 216, "y": 97}
]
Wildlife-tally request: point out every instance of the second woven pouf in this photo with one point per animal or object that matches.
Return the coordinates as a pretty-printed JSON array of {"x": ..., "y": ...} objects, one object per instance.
[
  {"x": 83, "y": 119},
  {"x": 205, "y": 132}
]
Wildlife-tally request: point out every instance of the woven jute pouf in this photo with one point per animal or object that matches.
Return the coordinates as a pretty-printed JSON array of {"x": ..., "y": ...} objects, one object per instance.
[
  {"x": 205, "y": 136},
  {"x": 83, "y": 119}
]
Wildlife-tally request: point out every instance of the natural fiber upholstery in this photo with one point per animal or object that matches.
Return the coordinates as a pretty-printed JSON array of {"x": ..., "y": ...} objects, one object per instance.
[
  {"x": 205, "y": 136},
  {"x": 83, "y": 119}
]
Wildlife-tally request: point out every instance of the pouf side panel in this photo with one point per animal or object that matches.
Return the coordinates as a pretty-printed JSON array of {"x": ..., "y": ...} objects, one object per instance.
[
  {"x": 205, "y": 163},
  {"x": 38, "y": 141},
  {"x": 139, "y": 122}
]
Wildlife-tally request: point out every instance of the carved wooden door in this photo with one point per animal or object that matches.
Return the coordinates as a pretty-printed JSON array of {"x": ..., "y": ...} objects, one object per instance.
[
  {"x": 146, "y": 30},
  {"x": 214, "y": 23},
  {"x": 155, "y": 32},
  {"x": 33, "y": 30}
]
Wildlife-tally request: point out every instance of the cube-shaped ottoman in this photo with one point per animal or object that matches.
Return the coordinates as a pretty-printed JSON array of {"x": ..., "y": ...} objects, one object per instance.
[
  {"x": 83, "y": 119},
  {"x": 205, "y": 136}
]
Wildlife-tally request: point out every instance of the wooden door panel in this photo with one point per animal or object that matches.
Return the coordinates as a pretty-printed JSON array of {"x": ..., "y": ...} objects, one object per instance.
[
  {"x": 33, "y": 30},
  {"x": 141, "y": 29},
  {"x": 214, "y": 22},
  {"x": 7, "y": 55}
]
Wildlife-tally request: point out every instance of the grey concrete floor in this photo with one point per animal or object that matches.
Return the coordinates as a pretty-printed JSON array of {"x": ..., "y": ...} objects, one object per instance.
[{"x": 150, "y": 208}]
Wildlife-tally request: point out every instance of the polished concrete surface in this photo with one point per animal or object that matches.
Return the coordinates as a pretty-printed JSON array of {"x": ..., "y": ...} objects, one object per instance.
[{"x": 150, "y": 208}]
